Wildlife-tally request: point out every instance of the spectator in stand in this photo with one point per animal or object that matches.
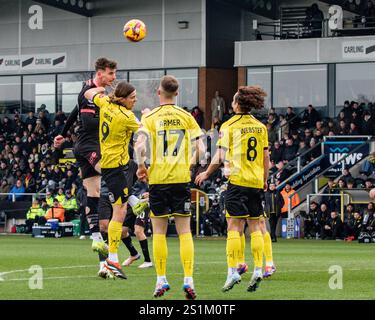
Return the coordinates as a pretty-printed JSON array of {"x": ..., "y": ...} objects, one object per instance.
[
  {"x": 350, "y": 184},
  {"x": 217, "y": 108},
  {"x": 272, "y": 135},
  {"x": 273, "y": 204},
  {"x": 30, "y": 120},
  {"x": 272, "y": 120},
  {"x": 35, "y": 214},
  {"x": 318, "y": 136},
  {"x": 4, "y": 188},
  {"x": 70, "y": 205},
  {"x": 343, "y": 129},
  {"x": 276, "y": 152},
  {"x": 352, "y": 227},
  {"x": 307, "y": 136},
  {"x": 332, "y": 127},
  {"x": 347, "y": 110},
  {"x": 309, "y": 117},
  {"x": 286, "y": 193},
  {"x": 302, "y": 150},
  {"x": 290, "y": 150},
  {"x": 315, "y": 152},
  {"x": 282, "y": 173},
  {"x": 7, "y": 126},
  {"x": 319, "y": 126},
  {"x": 368, "y": 166},
  {"x": 369, "y": 184},
  {"x": 333, "y": 228},
  {"x": 358, "y": 109},
  {"x": 311, "y": 226},
  {"x": 60, "y": 195},
  {"x": 56, "y": 211},
  {"x": 368, "y": 125},
  {"x": 346, "y": 175},
  {"x": 292, "y": 118},
  {"x": 49, "y": 198},
  {"x": 30, "y": 183},
  {"x": 198, "y": 116},
  {"x": 43, "y": 117},
  {"x": 60, "y": 116},
  {"x": 323, "y": 216},
  {"x": 356, "y": 120},
  {"x": 18, "y": 189},
  {"x": 368, "y": 222},
  {"x": 284, "y": 125},
  {"x": 333, "y": 202},
  {"x": 341, "y": 185}
]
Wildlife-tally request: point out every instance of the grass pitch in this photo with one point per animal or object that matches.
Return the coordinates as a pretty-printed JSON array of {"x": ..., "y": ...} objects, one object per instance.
[{"x": 70, "y": 267}]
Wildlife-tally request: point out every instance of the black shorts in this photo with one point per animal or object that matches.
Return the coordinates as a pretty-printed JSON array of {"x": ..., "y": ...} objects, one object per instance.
[
  {"x": 141, "y": 220},
  {"x": 116, "y": 180},
  {"x": 105, "y": 209},
  {"x": 87, "y": 157},
  {"x": 170, "y": 199},
  {"x": 243, "y": 202}
]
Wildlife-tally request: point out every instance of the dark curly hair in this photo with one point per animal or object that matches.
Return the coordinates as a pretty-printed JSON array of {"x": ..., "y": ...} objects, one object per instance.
[{"x": 250, "y": 97}]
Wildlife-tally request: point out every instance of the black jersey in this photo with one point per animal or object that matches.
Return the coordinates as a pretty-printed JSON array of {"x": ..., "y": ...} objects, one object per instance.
[{"x": 87, "y": 114}]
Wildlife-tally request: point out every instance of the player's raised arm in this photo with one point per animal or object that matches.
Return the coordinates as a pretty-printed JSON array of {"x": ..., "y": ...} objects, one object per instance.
[{"x": 140, "y": 153}]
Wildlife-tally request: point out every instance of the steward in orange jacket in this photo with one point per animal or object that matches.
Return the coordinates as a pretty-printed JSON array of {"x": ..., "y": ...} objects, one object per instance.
[
  {"x": 287, "y": 191},
  {"x": 56, "y": 212}
]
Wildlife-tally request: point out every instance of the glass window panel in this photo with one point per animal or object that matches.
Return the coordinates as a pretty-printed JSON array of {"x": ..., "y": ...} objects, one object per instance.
[
  {"x": 299, "y": 86},
  {"x": 68, "y": 88},
  {"x": 10, "y": 94},
  {"x": 261, "y": 77},
  {"x": 146, "y": 83},
  {"x": 188, "y": 91},
  {"x": 38, "y": 90},
  {"x": 355, "y": 81}
]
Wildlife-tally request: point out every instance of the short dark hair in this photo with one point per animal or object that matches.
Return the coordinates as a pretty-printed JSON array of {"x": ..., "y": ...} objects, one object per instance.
[
  {"x": 103, "y": 63},
  {"x": 170, "y": 85}
]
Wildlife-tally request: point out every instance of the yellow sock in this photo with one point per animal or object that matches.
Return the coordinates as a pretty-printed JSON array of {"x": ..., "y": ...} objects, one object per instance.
[
  {"x": 160, "y": 251},
  {"x": 241, "y": 257},
  {"x": 114, "y": 236},
  {"x": 268, "y": 248},
  {"x": 187, "y": 253},
  {"x": 233, "y": 248},
  {"x": 257, "y": 248}
]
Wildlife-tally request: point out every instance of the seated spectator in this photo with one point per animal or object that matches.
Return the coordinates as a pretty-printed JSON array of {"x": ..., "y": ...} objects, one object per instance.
[
  {"x": 35, "y": 214},
  {"x": 346, "y": 175},
  {"x": 198, "y": 116},
  {"x": 282, "y": 174},
  {"x": 343, "y": 129},
  {"x": 292, "y": 119},
  {"x": 301, "y": 150},
  {"x": 272, "y": 135},
  {"x": 341, "y": 185},
  {"x": 315, "y": 152},
  {"x": 318, "y": 136},
  {"x": 333, "y": 228},
  {"x": 311, "y": 225},
  {"x": 350, "y": 184},
  {"x": 319, "y": 126},
  {"x": 290, "y": 150},
  {"x": 49, "y": 198},
  {"x": 323, "y": 216},
  {"x": 272, "y": 120},
  {"x": 369, "y": 184},
  {"x": 276, "y": 152},
  {"x": 368, "y": 222},
  {"x": 60, "y": 195},
  {"x": 352, "y": 227},
  {"x": 4, "y": 188},
  {"x": 70, "y": 205},
  {"x": 56, "y": 211},
  {"x": 332, "y": 127},
  {"x": 17, "y": 189},
  {"x": 368, "y": 166},
  {"x": 30, "y": 120},
  {"x": 307, "y": 136},
  {"x": 368, "y": 125},
  {"x": 309, "y": 117},
  {"x": 283, "y": 125},
  {"x": 353, "y": 129}
]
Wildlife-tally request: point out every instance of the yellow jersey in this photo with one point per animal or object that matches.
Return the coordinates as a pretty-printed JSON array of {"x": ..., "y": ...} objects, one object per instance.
[
  {"x": 170, "y": 130},
  {"x": 117, "y": 124},
  {"x": 245, "y": 139}
]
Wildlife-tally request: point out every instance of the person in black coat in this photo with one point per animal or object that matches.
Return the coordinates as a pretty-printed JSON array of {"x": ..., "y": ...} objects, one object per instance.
[
  {"x": 368, "y": 125},
  {"x": 333, "y": 228},
  {"x": 310, "y": 117},
  {"x": 273, "y": 204}
]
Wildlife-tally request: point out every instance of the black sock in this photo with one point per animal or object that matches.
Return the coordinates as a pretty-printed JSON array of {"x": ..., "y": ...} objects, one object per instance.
[
  {"x": 144, "y": 247},
  {"x": 128, "y": 242},
  {"x": 93, "y": 216},
  {"x": 105, "y": 238}
]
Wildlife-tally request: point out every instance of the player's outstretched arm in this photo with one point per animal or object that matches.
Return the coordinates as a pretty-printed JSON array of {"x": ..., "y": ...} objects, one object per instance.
[
  {"x": 140, "y": 153},
  {"x": 266, "y": 161},
  {"x": 215, "y": 164},
  {"x": 89, "y": 94}
]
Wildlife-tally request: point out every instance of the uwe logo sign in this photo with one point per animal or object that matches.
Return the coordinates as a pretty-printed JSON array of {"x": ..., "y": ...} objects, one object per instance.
[
  {"x": 336, "y": 149},
  {"x": 358, "y": 50}
]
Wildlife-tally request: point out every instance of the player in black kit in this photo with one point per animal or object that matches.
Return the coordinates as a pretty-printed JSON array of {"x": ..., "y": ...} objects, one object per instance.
[{"x": 87, "y": 147}]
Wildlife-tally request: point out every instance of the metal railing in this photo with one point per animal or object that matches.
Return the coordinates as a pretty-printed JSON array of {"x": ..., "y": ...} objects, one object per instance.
[
  {"x": 341, "y": 195},
  {"x": 33, "y": 195}
]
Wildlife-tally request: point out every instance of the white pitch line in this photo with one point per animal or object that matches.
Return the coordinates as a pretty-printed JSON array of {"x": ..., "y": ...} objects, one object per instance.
[{"x": 48, "y": 268}]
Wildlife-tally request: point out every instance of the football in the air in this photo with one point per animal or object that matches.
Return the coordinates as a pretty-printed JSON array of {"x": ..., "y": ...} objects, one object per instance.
[{"x": 135, "y": 30}]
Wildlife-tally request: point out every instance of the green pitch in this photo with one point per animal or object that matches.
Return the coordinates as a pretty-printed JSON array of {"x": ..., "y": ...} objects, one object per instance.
[{"x": 69, "y": 271}]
